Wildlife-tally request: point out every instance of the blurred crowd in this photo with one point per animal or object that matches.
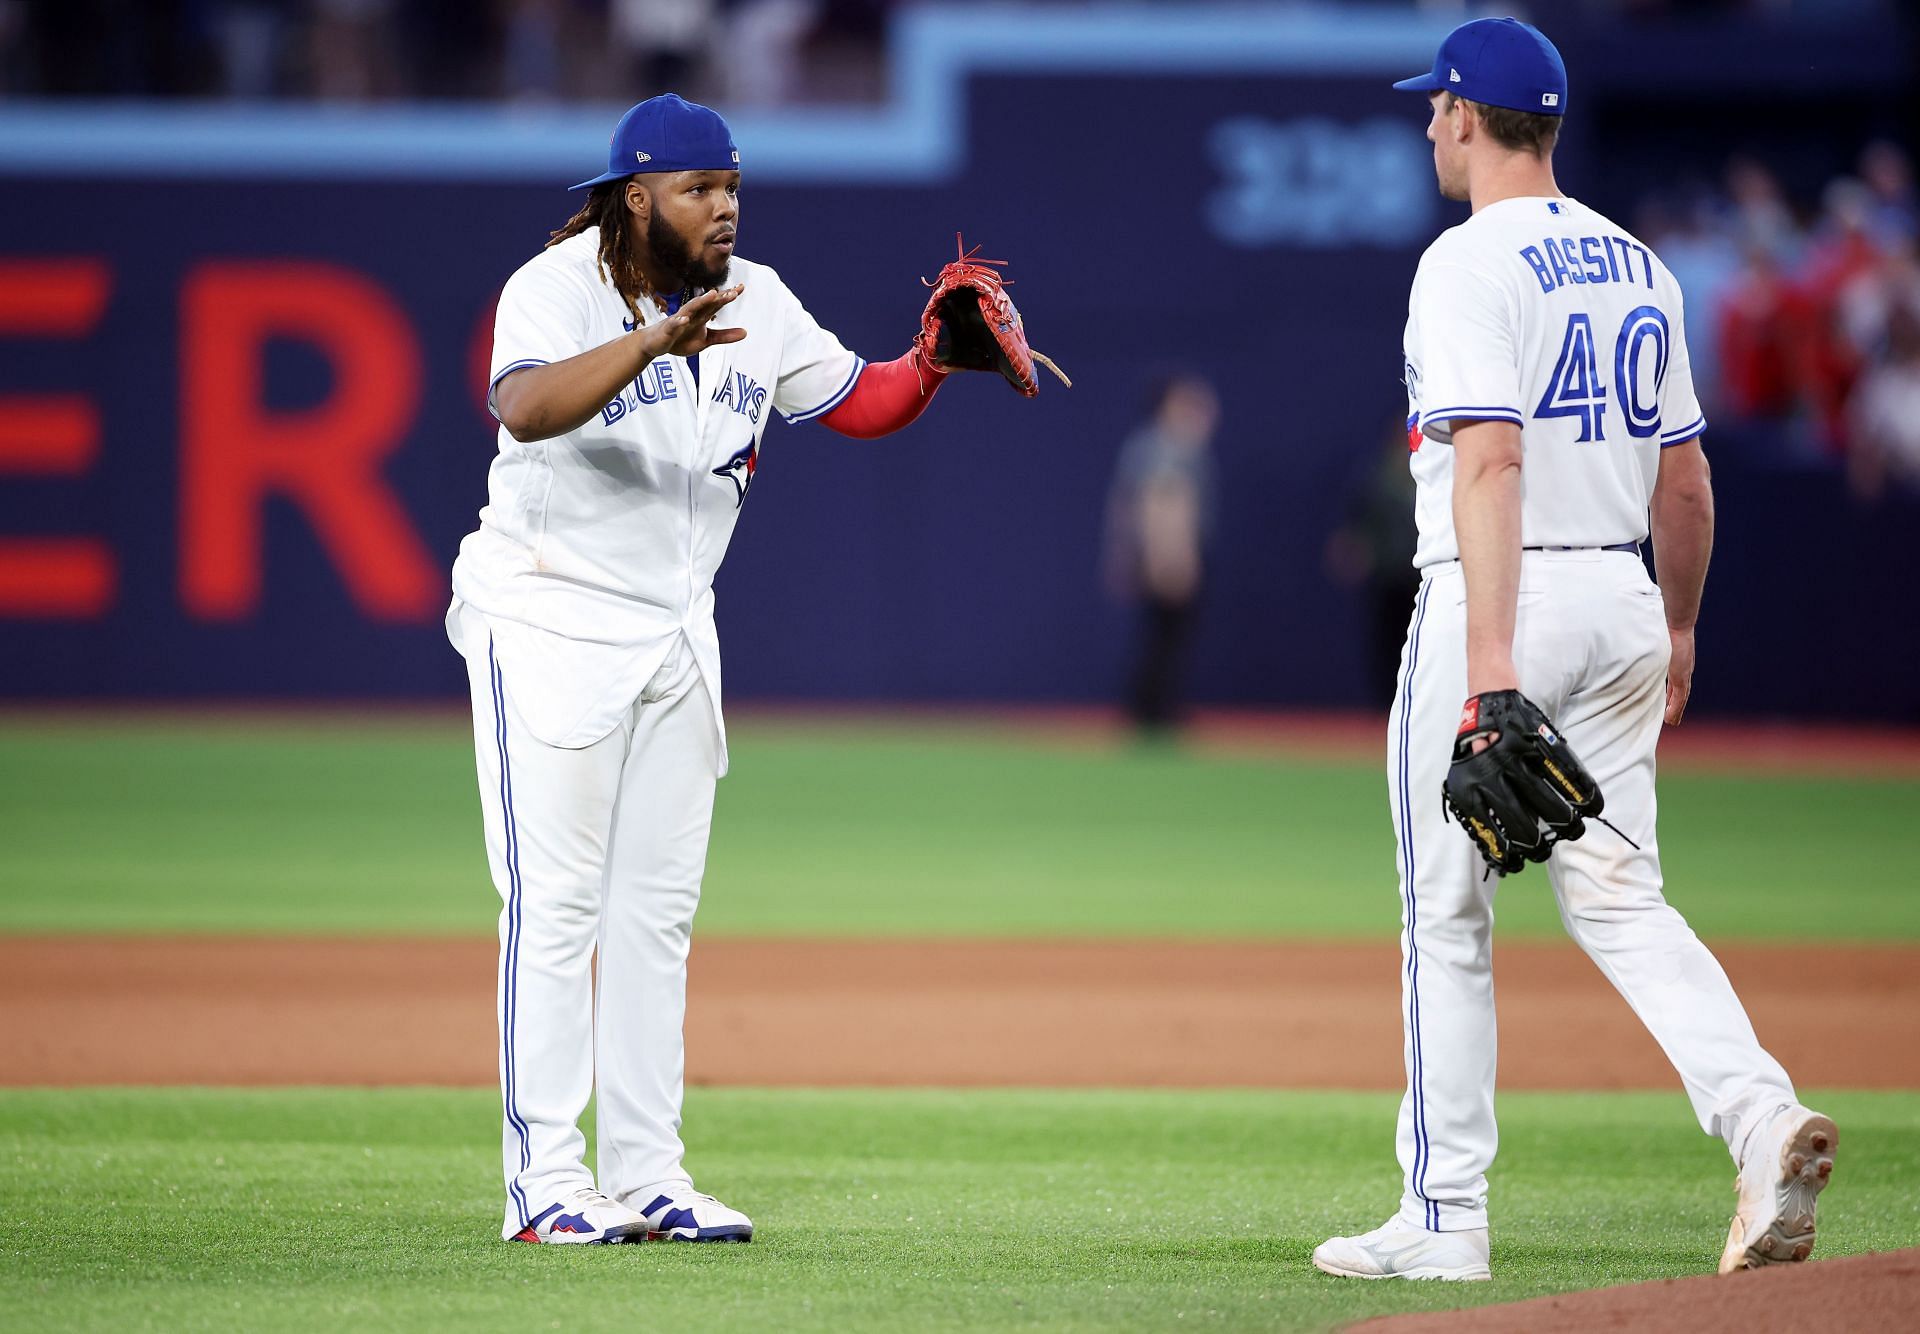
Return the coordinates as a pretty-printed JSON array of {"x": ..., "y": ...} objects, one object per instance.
[
  {"x": 741, "y": 52},
  {"x": 738, "y": 52},
  {"x": 1804, "y": 322}
]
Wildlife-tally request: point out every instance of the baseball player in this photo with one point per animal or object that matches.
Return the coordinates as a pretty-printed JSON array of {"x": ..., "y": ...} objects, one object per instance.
[
  {"x": 636, "y": 362},
  {"x": 1553, "y": 423}
]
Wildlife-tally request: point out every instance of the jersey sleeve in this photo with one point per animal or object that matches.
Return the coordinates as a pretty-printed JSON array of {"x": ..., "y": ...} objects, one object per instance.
[
  {"x": 542, "y": 317},
  {"x": 1469, "y": 357},
  {"x": 1680, "y": 416},
  {"x": 816, "y": 372}
]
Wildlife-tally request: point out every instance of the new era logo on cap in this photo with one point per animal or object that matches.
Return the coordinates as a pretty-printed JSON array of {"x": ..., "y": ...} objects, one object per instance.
[
  {"x": 642, "y": 157},
  {"x": 1453, "y": 76}
]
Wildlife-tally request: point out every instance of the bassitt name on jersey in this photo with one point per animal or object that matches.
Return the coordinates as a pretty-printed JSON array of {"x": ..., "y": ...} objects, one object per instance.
[{"x": 1560, "y": 260}]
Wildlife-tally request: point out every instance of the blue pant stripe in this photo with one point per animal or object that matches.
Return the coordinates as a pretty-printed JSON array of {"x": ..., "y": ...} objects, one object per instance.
[
  {"x": 511, "y": 1011},
  {"x": 513, "y": 928},
  {"x": 1420, "y": 1146}
]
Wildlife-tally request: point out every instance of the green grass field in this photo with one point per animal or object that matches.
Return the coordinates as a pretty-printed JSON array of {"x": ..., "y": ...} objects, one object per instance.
[
  {"x": 377, "y": 1209},
  {"x": 344, "y": 825},
  {"x": 322, "y": 1210}
]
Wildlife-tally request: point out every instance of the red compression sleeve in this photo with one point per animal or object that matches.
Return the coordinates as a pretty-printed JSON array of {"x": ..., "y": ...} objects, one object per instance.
[{"x": 886, "y": 397}]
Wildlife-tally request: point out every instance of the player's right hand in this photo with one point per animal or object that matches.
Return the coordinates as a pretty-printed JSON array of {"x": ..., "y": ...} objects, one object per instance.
[
  {"x": 1679, "y": 675},
  {"x": 689, "y": 331}
]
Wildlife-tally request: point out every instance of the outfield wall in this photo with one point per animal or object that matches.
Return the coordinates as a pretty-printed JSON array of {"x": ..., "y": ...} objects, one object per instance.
[{"x": 241, "y": 427}]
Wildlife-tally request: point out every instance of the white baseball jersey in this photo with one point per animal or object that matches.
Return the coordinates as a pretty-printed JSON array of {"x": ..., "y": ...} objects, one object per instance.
[
  {"x": 1540, "y": 312},
  {"x": 1543, "y": 313},
  {"x": 598, "y": 548}
]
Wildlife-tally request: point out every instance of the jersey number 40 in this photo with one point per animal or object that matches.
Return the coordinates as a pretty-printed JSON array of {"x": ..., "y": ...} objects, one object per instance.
[{"x": 1639, "y": 371}]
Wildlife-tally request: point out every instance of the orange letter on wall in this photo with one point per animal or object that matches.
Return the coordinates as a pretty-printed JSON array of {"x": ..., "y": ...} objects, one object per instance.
[
  {"x": 326, "y": 459},
  {"x": 52, "y": 435}
]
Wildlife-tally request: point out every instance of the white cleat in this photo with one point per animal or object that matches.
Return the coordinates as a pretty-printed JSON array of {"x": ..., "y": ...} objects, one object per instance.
[
  {"x": 1784, "y": 1169},
  {"x": 678, "y": 1212},
  {"x": 584, "y": 1218},
  {"x": 1399, "y": 1251}
]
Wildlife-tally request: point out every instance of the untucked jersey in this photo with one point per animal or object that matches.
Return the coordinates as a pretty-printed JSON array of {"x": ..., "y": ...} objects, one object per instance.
[
  {"x": 598, "y": 548},
  {"x": 1541, "y": 312}
]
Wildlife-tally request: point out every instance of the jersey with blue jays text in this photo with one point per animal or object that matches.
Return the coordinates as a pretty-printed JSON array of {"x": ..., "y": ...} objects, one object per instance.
[
  {"x": 1541, "y": 312},
  {"x": 597, "y": 549}
]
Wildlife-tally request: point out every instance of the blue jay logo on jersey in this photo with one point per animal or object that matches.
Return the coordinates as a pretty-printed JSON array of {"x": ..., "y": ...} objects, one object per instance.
[{"x": 740, "y": 469}]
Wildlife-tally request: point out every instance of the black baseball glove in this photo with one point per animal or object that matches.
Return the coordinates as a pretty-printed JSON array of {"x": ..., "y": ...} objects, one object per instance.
[{"x": 1523, "y": 793}]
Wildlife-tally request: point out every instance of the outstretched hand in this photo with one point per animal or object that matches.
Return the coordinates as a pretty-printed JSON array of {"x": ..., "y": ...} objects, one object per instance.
[{"x": 689, "y": 332}]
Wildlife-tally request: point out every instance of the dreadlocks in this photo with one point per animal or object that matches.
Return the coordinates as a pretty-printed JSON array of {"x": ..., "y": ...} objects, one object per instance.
[{"x": 606, "y": 208}]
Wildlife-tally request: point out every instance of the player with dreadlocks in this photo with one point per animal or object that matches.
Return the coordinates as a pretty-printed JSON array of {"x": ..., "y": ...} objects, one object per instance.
[{"x": 635, "y": 363}]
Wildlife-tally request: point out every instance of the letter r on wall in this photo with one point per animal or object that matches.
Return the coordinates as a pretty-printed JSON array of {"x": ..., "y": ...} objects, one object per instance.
[{"x": 325, "y": 459}]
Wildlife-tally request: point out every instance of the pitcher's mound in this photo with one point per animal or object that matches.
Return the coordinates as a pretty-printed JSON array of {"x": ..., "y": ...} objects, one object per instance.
[{"x": 1855, "y": 1293}]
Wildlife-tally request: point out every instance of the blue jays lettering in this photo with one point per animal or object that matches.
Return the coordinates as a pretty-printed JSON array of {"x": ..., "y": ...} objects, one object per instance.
[{"x": 654, "y": 384}]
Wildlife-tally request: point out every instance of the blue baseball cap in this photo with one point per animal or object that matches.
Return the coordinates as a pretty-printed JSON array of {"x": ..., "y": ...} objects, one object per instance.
[
  {"x": 1501, "y": 63},
  {"x": 668, "y": 133}
]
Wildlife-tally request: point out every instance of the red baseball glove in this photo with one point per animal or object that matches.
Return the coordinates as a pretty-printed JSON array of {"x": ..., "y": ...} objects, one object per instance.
[{"x": 970, "y": 324}]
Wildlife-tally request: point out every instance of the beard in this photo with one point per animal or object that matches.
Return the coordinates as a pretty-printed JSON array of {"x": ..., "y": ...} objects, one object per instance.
[{"x": 672, "y": 253}]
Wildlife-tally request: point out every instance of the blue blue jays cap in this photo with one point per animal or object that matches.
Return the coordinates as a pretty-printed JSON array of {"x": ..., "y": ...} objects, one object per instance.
[
  {"x": 1501, "y": 63},
  {"x": 668, "y": 133}
]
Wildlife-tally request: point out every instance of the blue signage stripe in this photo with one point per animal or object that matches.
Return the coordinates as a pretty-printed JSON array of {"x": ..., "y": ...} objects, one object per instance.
[{"x": 919, "y": 134}]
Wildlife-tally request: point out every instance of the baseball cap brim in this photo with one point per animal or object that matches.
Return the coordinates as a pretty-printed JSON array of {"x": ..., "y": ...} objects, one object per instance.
[
  {"x": 1421, "y": 83},
  {"x": 606, "y": 176}
]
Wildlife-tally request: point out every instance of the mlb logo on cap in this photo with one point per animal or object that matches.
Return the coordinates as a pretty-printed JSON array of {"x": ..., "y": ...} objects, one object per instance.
[{"x": 1499, "y": 63}]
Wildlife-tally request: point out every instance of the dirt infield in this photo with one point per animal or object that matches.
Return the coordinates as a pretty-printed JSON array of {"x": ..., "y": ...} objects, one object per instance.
[
  {"x": 1858, "y": 1292},
  {"x": 276, "y": 1011}
]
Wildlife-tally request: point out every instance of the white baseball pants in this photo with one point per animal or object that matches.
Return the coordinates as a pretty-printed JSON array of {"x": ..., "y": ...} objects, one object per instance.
[
  {"x": 600, "y": 848},
  {"x": 1591, "y": 647}
]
